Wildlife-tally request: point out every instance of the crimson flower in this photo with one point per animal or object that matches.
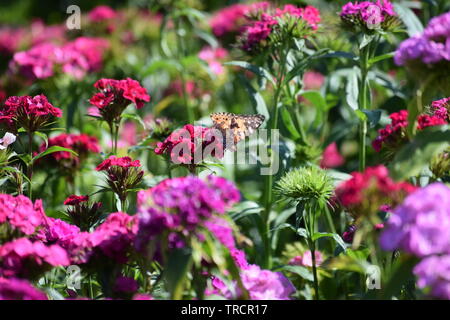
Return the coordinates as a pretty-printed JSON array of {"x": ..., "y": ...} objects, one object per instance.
[
  {"x": 122, "y": 174},
  {"x": 116, "y": 95},
  {"x": 30, "y": 113}
]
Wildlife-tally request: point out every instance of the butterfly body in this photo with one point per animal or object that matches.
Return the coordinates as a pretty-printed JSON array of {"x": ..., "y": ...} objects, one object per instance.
[{"x": 235, "y": 127}]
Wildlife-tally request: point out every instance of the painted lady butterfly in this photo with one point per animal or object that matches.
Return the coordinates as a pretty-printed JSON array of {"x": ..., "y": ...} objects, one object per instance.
[{"x": 235, "y": 127}]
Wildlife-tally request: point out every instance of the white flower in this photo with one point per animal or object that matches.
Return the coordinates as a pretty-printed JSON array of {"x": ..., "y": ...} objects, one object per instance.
[{"x": 8, "y": 139}]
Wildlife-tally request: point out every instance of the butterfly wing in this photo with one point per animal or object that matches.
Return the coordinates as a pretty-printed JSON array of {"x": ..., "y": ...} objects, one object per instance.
[{"x": 236, "y": 127}]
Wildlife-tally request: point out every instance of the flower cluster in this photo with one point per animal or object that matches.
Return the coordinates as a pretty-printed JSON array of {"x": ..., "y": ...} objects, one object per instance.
[
  {"x": 116, "y": 95},
  {"x": 430, "y": 47},
  {"x": 20, "y": 214},
  {"x": 114, "y": 238},
  {"x": 18, "y": 289},
  {"x": 261, "y": 284},
  {"x": 368, "y": 15},
  {"x": 284, "y": 24},
  {"x": 182, "y": 204},
  {"x": 122, "y": 174},
  {"x": 441, "y": 108},
  {"x": 82, "y": 144},
  {"x": 101, "y": 13},
  {"x": 394, "y": 135},
  {"x": 75, "y": 58},
  {"x": 82, "y": 213},
  {"x": 214, "y": 58},
  {"x": 365, "y": 192},
  {"x": 192, "y": 144},
  {"x": 26, "y": 259},
  {"x": 331, "y": 158},
  {"x": 10, "y": 40},
  {"x": 232, "y": 18},
  {"x": 30, "y": 113},
  {"x": 420, "y": 225}
]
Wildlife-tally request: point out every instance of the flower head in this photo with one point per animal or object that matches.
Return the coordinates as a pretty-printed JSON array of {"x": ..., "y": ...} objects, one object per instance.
[
  {"x": 182, "y": 205},
  {"x": 122, "y": 174},
  {"x": 26, "y": 259},
  {"x": 116, "y": 95},
  {"x": 421, "y": 224},
  {"x": 30, "y": 113},
  {"x": 82, "y": 213},
  {"x": 365, "y": 192},
  {"x": 18, "y": 289},
  {"x": 189, "y": 144}
]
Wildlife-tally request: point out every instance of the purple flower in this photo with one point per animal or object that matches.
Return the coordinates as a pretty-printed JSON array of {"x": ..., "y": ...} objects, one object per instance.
[
  {"x": 183, "y": 204},
  {"x": 421, "y": 224},
  {"x": 438, "y": 28},
  {"x": 434, "y": 272}
]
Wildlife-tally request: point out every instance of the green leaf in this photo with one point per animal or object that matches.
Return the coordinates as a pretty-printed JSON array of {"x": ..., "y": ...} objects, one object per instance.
[
  {"x": 316, "y": 98},
  {"x": 178, "y": 265},
  {"x": 44, "y": 137},
  {"x": 259, "y": 71},
  {"x": 302, "y": 232},
  {"x": 134, "y": 117},
  {"x": 337, "y": 238},
  {"x": 352, "y": 89},
  {"x": 303, "y": 272},
  {"x": 256, "y": 99},
  {"x": 409, "y": 18},
  {"x": 289, "y": 123},
  {"x": 417, "y": 154},
  {"x": 50, "y": 150},
  {"x": 373, "y": 116},
  {"x": 381, "y": 58}
]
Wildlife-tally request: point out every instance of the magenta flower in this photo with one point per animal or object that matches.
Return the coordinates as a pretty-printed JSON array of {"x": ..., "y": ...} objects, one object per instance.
[
  {"x": 331, "y": 157},
  {"x": 20, "y": 213},
  {"x": 181, "y": 205},
  {"x": 189, "y": 145},
  {"x": 214, "y": 58},
  {"x": 101, "y": 13},
  {"x": 25, "y": 259},
  {"x": 18, "y": 289},
  {"x": 306, "y": 259},
  {"x": 421, "y": 224}
]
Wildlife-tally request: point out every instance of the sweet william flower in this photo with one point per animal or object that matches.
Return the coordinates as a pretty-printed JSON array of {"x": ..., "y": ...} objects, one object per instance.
[
  {"x": 82, "y": 213},
  {"x": 26, "y": 259},
  {"x": 20, "y": 214},
  {"x": 421, "y": 224},
  {"x": 122, "y": 174},
  {"x": 82, "y": 144},
  {"x": 116, "y": 95},
  {"x": 434, "y": 272},
  {"x": 30, "y": 113},
  {"x": 19, "y": 289},
  {"x": 7, "y": 140},
  {"x": 331, "y": 158}
]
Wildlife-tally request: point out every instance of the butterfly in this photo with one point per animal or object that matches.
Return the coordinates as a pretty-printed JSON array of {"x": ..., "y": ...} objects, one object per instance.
[{"x": 235, "y": 127}]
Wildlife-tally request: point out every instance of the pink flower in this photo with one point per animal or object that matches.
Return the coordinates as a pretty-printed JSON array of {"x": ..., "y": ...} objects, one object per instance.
[
  {"x": 214, "y": 56},
  {"x": 306, "y": 259},
  {"x": 101, "y": 13},
  {"x": 188, "y": 144},
  {"x": 20, "y": 213},
  {"x": 425, "y": 120},
  {"x": 23, "y": 258},
  {"x": 313, "y": 80},
  {"x": 37, "y": 62},
  {"x": 331, "y": 157}
]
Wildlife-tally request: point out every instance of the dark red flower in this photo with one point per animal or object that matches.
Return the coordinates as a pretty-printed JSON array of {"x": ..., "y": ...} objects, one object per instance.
[{"x": 74, "y": 200}]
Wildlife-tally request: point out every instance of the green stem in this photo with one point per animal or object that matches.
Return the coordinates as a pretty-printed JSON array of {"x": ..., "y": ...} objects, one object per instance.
[
  {"x": 30, "y": 165},
  {"x": 268, "y": 185}
]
